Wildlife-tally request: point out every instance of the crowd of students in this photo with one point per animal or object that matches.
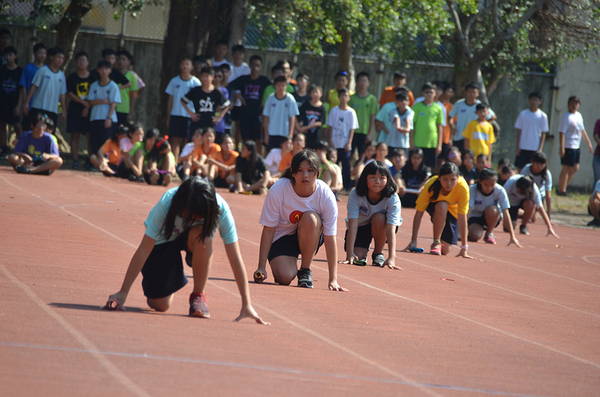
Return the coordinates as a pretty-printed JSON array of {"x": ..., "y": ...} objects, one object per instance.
[{"x": 237, "y": 129}]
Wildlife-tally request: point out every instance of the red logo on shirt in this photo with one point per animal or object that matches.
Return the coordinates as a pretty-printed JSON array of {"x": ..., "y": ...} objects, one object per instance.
[{"x": 295, "y": 216}]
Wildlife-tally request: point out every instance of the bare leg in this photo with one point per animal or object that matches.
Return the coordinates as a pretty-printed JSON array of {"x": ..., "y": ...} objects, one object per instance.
[
  {"x": 75, "y": 146},
  {"x": 201, "y": 258},
  {"x": 15, "y": 160},
  {"x": 492, "y": 215},
  {"x": 160, "y": 304},
  {"x": 52, "y": 165},
  {"x": 572, "y": 172},
  {"x": 439, "y": 219},
  {"x": 176, "y": 147},
  {"x": 309, "y": 232},
  {"x": 528, "y": 208},
  {"x": 475, "y": 232},
  {"x": 378, "y": 231}
]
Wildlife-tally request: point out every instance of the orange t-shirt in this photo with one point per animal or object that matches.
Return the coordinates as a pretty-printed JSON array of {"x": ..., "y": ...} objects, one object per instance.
[
  {"x": 446, "y": 131},
  {"x": 389, "y": 95},
  {"x": 199, "y": 151},
  {"x": 218, "y": 156},
  {"x": 112, "y": 150},
  {"x": 286, "y": 161}
]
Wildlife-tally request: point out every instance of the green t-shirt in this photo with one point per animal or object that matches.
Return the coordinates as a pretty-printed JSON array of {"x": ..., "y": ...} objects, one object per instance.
[
  {"x": 124, "y": 106},
  {"x": 364, "y": 108},
  {"x": 426, "y": 121},
  {"x": 271, "y": 89},
  {"x": 162, "y": 160},
  {"x": 139, "y": 146}
]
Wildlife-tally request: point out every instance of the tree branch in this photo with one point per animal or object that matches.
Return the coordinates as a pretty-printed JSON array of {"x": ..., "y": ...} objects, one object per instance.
[
  {"x": 464, "y": 44},
  {"x": 507, "y": 34},
  {"x": 495, "y": 18}
]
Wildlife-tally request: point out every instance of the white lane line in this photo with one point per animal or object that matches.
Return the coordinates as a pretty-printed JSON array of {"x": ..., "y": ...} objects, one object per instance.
[
  {"x": 298, "y": 326},
  {"x": 576, "y": 358},
  {"x": 78, "y": 336}
]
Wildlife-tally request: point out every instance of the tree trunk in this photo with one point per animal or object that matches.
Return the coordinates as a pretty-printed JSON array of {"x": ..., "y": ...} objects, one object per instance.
[
  {"x": 345, "y": 57},
  {"x": 239, "y": 21},
  {"x": 68, "y": 27},
  {"x": 194, "y": 28},
  {"x": 468, "y": 72}
]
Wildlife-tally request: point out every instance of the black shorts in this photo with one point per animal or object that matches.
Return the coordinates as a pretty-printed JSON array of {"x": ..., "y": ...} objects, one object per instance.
[
  {"x": 514, "y": 210},
  {"x": 289, "y": 246},
  {"x": 480, "y": 220},
  {"x": 236, "y": 113},
  {"x": 159, "y": 182},
  {"x": 193, "y": 127},
  {"x": 429, "y": 157},
  {"x": 52, "y": 116},
  {"x": 444, "y": 154},
  {"x": 99, "y": 134},
  {"x": 251, "y": 128},
  {"x": 123, "y": 171},
  {"x": 358, "y": 142},
  {"x": 450, "y": 232},
  {"x": 7, "y": 114},
  {"x": 460, "y": 145},
  {"x": 163, "y": 272},
  {"x": 524, "y": 158},
  {"x": 122, "y": 118},
  {"x": 219, "y": 137},
  {"x": 363, "y": 237},
  {"x": 77, "y": 124},
  {"x": 179, "y": 127},
  {"x": 221, "y": 182},
  {"x": 571, "y": 157}
]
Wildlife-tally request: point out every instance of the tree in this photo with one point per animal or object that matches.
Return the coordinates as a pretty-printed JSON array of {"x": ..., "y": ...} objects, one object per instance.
[{"x": 194, "y": 28}]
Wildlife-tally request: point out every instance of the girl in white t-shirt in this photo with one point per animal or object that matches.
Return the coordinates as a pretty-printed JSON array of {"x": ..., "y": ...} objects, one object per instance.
[
  {"x": 299, "y": 215},
  {"x": 488, "y": 204},
  {"x": 274, "y": 158},
  {"x": 538, "y": 170},
  {"x": 373, "y": 214}
]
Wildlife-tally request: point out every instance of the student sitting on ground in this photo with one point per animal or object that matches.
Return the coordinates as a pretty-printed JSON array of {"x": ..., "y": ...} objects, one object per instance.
[
  {"x": 446, "y": 198},
  {"x": 185, "y": 219},
  {"x": 414, "y": 175},
  {"x": 298, "y": 144},
  {"x": 488, "y": 205},
  {"x": 252, "y": 175},
  {"x": 398, "y": 160},
  {"x": 135, "y": 134},
  {"x": 373, "y": 214},
  {"x": 594, "y": 206},
  {"x": 184, "y": 167},
  {"x": 109, "y": 157},
  {"x": 36, "y": 152},
  {"x": 136, "y": 158},
  {"x": 524, "y": 194},
  {"x": 161, "y": 163},
  {"x": 468, "y": 170},
  {"x": 202, "y": 152},
  {"x": 273, "y": 159},
  {"x": 362, "y": 161},
  {"x": 381, "y": 153},
  {"x": 331, "y": 173},
  {"x": 482, "y": 163},
  {"x": 222, "y": 170}
]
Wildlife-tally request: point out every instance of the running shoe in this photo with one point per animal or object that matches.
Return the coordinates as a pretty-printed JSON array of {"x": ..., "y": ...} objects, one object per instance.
[
  {"x": 523, "y": 230},
  {"x": 22, "y": 170},
  {"x": 199, "y": 306},
  {"x": 489, "y": 238},
  {"x": 559, "y": 193},
  {"x": 75, "y": 165},
  {"x": 305, "y": 278},
  {"x": 378, "y": 259},
  {"x": 436, "y": 249},
  {"x": 594, "y": 223}
]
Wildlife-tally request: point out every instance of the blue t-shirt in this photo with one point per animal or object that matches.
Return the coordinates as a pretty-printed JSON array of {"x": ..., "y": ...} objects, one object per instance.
[
  {"x": 29, "y": 72},
  {"x": 279, "y": 112},
  {"x": 156, "y": 219},
  {"x": 110, "y": 92},
  {"x": 50, "y": 86},
  {"x": 177, "y": 88},
  {"x": 36, "y": 147},
  {"x": 382, "y": 116},
  {"x": 397, "y": 139},
  {"x": 220, "y": 127}
]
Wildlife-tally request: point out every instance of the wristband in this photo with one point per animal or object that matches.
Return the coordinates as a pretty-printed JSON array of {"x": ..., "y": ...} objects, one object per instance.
[{"x": 464, "y": 247}]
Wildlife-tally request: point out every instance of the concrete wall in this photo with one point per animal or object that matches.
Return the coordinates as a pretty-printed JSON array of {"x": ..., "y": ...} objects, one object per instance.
[{"x": 576, "y": 78}]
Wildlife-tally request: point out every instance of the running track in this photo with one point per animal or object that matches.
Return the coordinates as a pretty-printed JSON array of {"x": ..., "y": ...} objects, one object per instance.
[{"x": 512, "y": 322}]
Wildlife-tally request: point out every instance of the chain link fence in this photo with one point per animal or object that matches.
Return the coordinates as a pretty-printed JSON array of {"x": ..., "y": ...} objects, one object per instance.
[{"x": 103, "y": 18}]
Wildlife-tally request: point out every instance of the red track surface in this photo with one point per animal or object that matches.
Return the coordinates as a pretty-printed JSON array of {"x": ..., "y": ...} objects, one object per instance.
[{"x": 512, "y": 322}]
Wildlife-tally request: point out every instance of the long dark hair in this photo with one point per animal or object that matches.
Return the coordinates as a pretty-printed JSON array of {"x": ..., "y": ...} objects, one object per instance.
[
  {"x": 484, "y": 175},
  {"x": 195, "y": 198},
  {"x": 120, "y": 130},
  {"x": 419, "y": 152},
  {"x": 445, "y": 169},
  {"x": 540, "y": 157},
  {"x": 303, "y": 155},
  {"x": 251, "y": 146},
  {"x": 525, "y": 185},
  {"x": 159, "y": 146},
  {"x": 371, "y": 169},
  {"x": 151, "y": 133}
]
